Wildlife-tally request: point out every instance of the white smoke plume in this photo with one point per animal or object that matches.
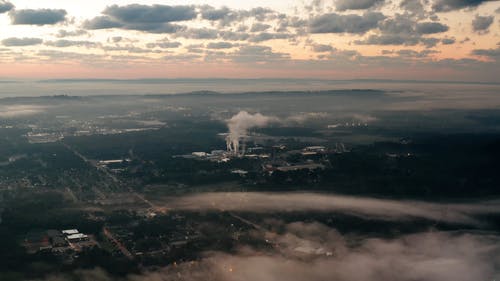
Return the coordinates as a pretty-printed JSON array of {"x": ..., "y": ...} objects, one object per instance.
[{"x": 239, "y": 125}]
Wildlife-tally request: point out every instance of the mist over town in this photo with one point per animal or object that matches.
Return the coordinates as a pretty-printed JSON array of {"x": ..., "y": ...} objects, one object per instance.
[{"x": 267, "y": 140}]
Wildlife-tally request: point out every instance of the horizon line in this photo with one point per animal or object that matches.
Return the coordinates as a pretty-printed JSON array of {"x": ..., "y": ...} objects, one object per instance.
[{"x": 151, "y": 80}]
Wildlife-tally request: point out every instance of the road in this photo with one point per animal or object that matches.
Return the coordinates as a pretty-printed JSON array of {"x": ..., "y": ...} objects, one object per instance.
[
  {"x": 247, "y": 222},
  {"x": 117, "y": 243},
  {"x": 71, "y": 194},
  {"x": 110, "y": 175}
]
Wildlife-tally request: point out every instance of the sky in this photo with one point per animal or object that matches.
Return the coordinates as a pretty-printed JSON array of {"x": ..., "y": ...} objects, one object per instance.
[{"x": 452, "y": 40}]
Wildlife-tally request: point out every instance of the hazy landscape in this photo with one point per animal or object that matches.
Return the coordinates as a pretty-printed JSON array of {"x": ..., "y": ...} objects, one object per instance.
[
  {"x": 284, "y": 140},
  {"x": 209, "y": 185}
]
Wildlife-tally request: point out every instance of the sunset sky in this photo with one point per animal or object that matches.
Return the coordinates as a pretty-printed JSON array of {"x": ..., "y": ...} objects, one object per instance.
[{"x": 331, "y": 39}]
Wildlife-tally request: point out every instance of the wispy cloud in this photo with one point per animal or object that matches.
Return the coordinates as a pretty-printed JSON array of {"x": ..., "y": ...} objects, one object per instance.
[
  {"x": 11, "y": 111},
  {"x": 312, "y": 251},
  {"x": 359, "y": 206}
]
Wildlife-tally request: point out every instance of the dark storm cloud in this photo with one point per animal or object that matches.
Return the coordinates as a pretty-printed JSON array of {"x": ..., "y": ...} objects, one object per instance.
[
  {"x": 154, "y": 19},
  {"x": 13, "y": 42},
  {"x": 5, "y": 6},
  {"x": 481, "y": 24},
  {"x": 336, "y": 23},
  {"x": 431, "y": 28},
  {"x": 343, "y": 5},
  {"x": 38, "y": 17},
  {"x": 220, "y": 45},
  {"x": 450, "y": 5}
]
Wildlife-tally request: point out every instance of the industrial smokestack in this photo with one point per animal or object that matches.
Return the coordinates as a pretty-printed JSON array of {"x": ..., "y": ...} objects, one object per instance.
[{"x": 238, "y": 126}]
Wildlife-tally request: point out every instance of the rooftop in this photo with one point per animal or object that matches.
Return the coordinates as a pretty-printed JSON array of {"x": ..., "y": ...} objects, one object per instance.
[
  {"x": 77, "y": 236},
  {"x": 70, "y": 231}
]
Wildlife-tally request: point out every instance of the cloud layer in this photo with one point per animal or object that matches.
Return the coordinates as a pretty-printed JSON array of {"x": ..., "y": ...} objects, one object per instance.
[
  {"x": 481, "y": 24},
  {"x": 343, "y": 5},
  {"x": 5, "y": 6},
  {"x": 10, "y": 42},
  {"x": 450, "y": 5},
  {"x": 154, "y": 18},
  {"x": 312, "y": 251},
  {"x": 319, "y": 38},
  {"x": 336, "y": 23},
  {"x": 13, "y": 111},
  {"x": 359, "y": 206},
  {"x": 38, "y": 17}
]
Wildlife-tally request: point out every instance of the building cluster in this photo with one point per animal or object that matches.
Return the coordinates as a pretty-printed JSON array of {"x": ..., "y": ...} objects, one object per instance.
[
  {"x": 274, "y": 158},
  {"x": 214, "y": 156},
  {"x": 63, "y": 126},
  {"x": 131, "y": 244},
  {"x": 59, "y": 241}
]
